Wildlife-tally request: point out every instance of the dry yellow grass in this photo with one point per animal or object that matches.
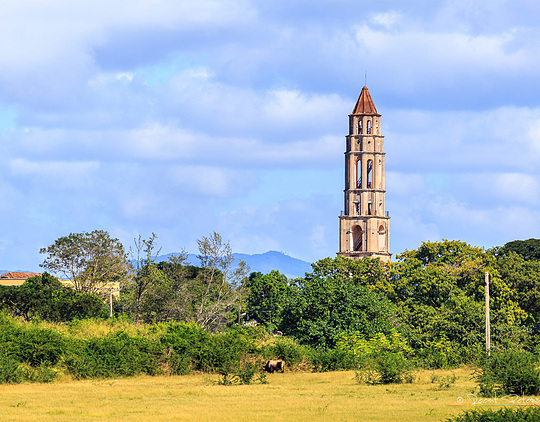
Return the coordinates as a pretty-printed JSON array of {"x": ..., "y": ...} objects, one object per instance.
[{"x": 334, "y": 396}]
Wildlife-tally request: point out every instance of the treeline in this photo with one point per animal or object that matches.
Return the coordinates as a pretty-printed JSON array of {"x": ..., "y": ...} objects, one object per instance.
[{"x": 425, "y": 309}]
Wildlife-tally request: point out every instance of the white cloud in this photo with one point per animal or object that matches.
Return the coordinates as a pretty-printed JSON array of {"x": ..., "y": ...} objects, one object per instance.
[
  {"x": 386, "y": 19},
  {"x": 55, "y": 175}
]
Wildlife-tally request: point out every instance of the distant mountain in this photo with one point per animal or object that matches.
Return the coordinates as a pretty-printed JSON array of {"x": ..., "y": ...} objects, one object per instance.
[{"x": 264, "y": 262}]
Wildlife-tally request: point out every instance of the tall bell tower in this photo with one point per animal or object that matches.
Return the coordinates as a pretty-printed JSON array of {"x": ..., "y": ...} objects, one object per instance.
[{"x": 364, "y": 224}]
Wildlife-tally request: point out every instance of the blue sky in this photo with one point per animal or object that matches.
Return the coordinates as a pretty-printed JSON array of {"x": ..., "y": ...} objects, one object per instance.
[{"x": 188, "y": 117}]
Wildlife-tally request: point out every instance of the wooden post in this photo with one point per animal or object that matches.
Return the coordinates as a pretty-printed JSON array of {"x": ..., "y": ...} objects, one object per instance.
[
  {"x": 110, "y": 303},
  {"x": 488, "y": 326}
]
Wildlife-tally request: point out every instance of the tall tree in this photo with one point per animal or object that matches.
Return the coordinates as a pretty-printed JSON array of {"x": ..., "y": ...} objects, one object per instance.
[
  {"x": 267, "y": 296},
  {"x": 144, "y": 273},
  {"x": 325, "y": 307},
  {"x": 221, "y": 284},
  {"x": 89, "y": 260},
  {"x": 529, "y": 249}
]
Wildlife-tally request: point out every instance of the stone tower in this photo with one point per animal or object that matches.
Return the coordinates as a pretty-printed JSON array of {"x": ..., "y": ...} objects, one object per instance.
[{"x": 364, "y": 225}]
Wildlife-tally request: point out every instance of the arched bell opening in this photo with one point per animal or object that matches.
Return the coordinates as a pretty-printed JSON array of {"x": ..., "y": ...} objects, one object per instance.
[{"x": 357, "y": 238}]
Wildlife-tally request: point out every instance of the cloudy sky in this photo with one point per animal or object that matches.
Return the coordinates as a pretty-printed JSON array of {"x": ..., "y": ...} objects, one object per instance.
[{"x": 184, "y": 117}]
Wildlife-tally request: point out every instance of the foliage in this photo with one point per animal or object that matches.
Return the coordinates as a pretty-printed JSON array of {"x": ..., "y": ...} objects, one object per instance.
[
  {"x": 89, "y": 260},
  {"x": 508, "y": 414},
  {"x": 382, "y": 358},
  {"x": 28, "y": 353},
  {"x": 144, "y": 274},
  {"x": 362, "y": 348},
  {"x": 13, "y": 372},
  {"x": 117, "y": 354},
  {"x": 287, "y": 349},
  {"x": 326, "y": 306},
  {"x": 248, "y": 372},
  {"x": 509, "y": 372},
  {"x": 267, "y": 296},
  {"x": 44, "y": 297},
  {"x": 528, "y": 249},
  {"x": 439, "y": 291},
  {"x": 221, "y": 285},
  {"x": 386, "y": 368},
  {"x": 324, "y": 360}
]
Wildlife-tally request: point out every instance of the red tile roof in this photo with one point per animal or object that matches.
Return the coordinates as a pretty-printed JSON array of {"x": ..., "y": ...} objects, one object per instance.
[
  {"x": 18, "y": 276},
  {"x": 365, "y": 104}
]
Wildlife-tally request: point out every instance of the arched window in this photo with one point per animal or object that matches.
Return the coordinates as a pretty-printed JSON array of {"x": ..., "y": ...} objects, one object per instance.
[
  {"x": 360, "y": 126},
  {"x": 369, "y": 208},
  {"x": 370, "y": 174},
  {"x": 359, "y": 174},
  {"x": 382, "y": 238},
  {"x": 368, "y": 131},
  {"x": 357, "y": 238}
]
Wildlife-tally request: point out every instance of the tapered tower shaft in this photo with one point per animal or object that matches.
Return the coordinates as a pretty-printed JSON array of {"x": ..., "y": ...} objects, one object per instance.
[{"x": 364, "y": 223}]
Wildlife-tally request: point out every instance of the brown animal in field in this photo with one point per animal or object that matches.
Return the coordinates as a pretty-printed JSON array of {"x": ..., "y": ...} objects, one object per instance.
[{"x": 274, "y": 365}]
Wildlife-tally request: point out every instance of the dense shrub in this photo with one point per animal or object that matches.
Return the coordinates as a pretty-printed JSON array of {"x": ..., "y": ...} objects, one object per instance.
[
  {"x": 117, "y": 354},
  {"x": 509, "y": 372},
  {"x": 385, "y": 368},
  {"x": 443, "y": 354},
  {"x": 508, "y": 414},
  {"x": 32, "y": 345},
  {"x": 287, "y": 349},
  {"x": 323, "y": 360},
  {"x": 382, "y": 358},
  {"x": 9, "y": 370}
]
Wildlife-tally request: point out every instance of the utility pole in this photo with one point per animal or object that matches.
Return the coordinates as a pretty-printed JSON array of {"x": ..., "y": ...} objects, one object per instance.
[
  {"x": 110, "y": 304},
  {"x": 488, "y": 326}
]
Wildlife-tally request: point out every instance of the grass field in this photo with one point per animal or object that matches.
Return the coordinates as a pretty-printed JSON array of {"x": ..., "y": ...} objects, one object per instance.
[{"x": 334, "y": 396}]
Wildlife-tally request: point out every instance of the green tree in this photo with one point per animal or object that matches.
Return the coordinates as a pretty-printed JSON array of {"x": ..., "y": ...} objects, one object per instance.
[
  {"x": 44, "y": 297},
  {"x": 144, "y": 274},
  {"x": 89, "y": 260},
  {"x": 325, "y": 307},
  {"x": 529, "y": 249},
  {"x": 220, "y": 283},
  {"x": 267, "y": 296},
  {"x": 439, "y": 289}
]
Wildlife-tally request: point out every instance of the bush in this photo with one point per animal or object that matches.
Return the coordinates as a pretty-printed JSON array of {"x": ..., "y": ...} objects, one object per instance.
[
  {"x": 9, "y": 371},
  {"x": 35, "y": 346},
  {"x": 38, "y": 346},
  {"x": 291, "y": 352},
  {"x": 383, "y": 358},
  {"x": 444, "y": 354},
  {"x": 249, "y": 372},
  {"x": 509, "y": 372},
  {"x": 385, "y": 368},
  {"x": 117, "y": 354},
  {"x": 530, "y": 414},
  {"x": 324, "y": 360}
]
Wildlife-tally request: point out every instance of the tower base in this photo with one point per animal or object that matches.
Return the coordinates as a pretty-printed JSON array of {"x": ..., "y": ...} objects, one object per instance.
[{"x": 357, "y": 255}]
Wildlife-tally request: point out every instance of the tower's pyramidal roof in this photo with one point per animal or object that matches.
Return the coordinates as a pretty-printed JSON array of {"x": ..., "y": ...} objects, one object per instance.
[{"x": 365, "y": 104}]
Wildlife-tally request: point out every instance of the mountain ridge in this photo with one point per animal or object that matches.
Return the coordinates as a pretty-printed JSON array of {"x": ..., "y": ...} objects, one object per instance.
[{"x": 262, "y": 262}]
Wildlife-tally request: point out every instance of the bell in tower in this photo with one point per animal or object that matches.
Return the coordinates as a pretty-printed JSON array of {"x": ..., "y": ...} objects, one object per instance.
[{"x": 364, "y": 226}]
